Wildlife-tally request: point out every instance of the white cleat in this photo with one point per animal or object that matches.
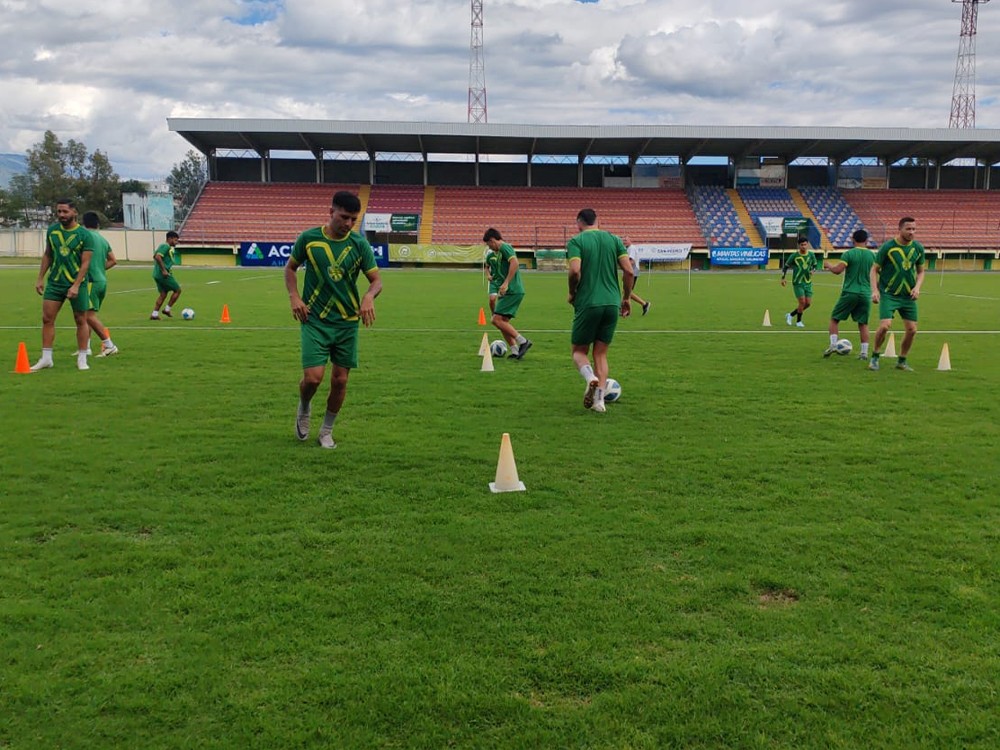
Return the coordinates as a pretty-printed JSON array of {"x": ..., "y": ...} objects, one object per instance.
[
  {"x": 108, "y": 351},
  {"x": 41, "y": 365},
  {"x": 788, "y": 319},
  {"x": 599, "y": 406},
  {"x": 81, "y": 364},
  {"x": 590, "y": 394},
  {"x": 302, "y": 425},
  {"x": 326, "y": 441},
  {"x": 800, "y": 324}
]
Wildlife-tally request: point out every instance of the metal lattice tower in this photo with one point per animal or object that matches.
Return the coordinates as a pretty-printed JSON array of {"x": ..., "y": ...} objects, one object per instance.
[
  {"x": 963, "y": 96},
  {"x": 477, "y": 67}
]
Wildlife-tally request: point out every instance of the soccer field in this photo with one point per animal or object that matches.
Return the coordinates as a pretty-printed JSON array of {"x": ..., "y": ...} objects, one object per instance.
[{"x": 754, "y": 547}]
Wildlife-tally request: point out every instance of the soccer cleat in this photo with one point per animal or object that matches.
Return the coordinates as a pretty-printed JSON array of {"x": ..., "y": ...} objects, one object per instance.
[
  {"x": 599, "y": 406},
  {"x": 168, "y": 313},
  {"x": 154, "y": 316},
  {"x": 512, "y": 355},
  {"x": 800, "y": 324},
  {"x": 645, "y": 308},
  {"x": 863, "y": 357},
  {"x": 41, "y": 365},
  {"x": 108, "y": 351},
  {"x": 873, "y": 365},
  {"x": 788, "y": 319},
  {"x": 81, "y": 363},
  {"x": 522, "y": 349},
  {"x": 904, "y": 366},
  {"x": 588, "y": 395},
  {"x": 326, "y": 441},
  {"x": 302, "y": 424},
  {"x": 830, "y": 350}
]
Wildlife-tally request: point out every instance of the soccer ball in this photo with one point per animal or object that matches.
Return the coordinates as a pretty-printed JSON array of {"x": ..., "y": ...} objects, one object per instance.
[
  {"x": 187, "y": 313},
  {"x": 612, "y": 390},
  {"x": 843, "y": 347},
  {"x": 498, "y": 348}
]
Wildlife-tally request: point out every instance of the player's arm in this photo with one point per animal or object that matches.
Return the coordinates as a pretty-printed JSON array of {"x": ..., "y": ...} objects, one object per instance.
[
  {"x": 920, "y": 281},
  {"x": 836, "y": 268},
  {"x": 367, "y": 310},
  {"x": 158, "y": 258},
  {"x": 111, "y": 261},
  {"x": 628, "y": 278},
  {"x": 300, "y": 310},
  {"x": 44, "y": 268},
  {"x": 873, "y": 280},
  {"x": 511, "y": 270},
  {"x": 573, "y": 269},
  {"x": 784, "y": 270},
  {"x": 85, "y": 259}
]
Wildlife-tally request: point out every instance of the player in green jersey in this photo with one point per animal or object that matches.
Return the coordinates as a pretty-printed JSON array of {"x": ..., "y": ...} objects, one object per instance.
[
  {"x": 594, "y": 258},
  {"x": 491, "y": 266},
  {"x": 510, "y": 292},
  {"x": 97, "y": 280},
  {"x": 68, "y": 250},
  {"x": 856, "y": 295},
  {"x": 802, "y": 263},
  {"x": 330, "y": 307},
  {"x": 163, "y": 260},
  {"x": 896, "y": 278}
]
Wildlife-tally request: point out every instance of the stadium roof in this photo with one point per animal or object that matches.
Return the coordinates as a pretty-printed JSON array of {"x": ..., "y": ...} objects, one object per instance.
[{"x": 940, "y": 145}]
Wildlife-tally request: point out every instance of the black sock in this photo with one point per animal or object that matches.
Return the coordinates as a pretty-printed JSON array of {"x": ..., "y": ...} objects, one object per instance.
[{"x": 799, "y": 316}]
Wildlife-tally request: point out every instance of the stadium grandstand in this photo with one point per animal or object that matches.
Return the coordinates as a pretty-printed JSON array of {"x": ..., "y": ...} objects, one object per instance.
[{"x": 438, "y": 185}]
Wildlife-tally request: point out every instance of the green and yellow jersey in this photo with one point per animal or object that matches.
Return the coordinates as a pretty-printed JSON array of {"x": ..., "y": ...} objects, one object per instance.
[
  {"x": 898, "y": 265},
  {"x": 503, "y": 258},
  {"x": 331, "y": 269},
  {"x": 166, "y": 252},
  {"x": 598, "y": 252},
  {"x": 802, "y": 265},
  {"x": 68, "y": 247},
  {"x": 857, "y": 275}
]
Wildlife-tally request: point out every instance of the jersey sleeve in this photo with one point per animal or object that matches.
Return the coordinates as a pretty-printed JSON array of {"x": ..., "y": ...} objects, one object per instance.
[
  {"x": 367, "y": 256},
  {"x": 299, "y": 249},
  {"x": 572, "y": 249}
]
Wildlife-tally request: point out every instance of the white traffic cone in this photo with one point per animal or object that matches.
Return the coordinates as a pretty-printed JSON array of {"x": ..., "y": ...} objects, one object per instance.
[
  {"x": 484, "y": 346},
  {"x": 767, "y": 319},
  {"x": 945, "y": 362},
  {"x": 890, "y": 348},
  {"x": 506, "y": 478},
  {"x": 487, "y": 362}
]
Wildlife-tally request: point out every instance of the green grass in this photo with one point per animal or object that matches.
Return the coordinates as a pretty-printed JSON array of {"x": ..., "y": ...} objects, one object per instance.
[{"x": 755, "y": 547}]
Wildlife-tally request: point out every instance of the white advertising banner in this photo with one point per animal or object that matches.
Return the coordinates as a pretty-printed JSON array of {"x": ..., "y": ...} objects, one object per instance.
[
  {"x": 652, "y": 253},
  {"x": 377, "y": 223}
]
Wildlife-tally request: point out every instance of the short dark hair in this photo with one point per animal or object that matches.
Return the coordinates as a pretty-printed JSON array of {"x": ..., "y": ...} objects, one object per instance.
[
  {"x": 906, "y": 220},
  {"x": 66, "y": 202},
  {"x": 492, "y": 234},
  {"x": 346, "y": 200},
  {"x": 859, "y": 236},
  {"x": 803, "y": 239},
  {"x": 91, "y": 220},
  {"x": 173, "y": 235},
  {"x": 588, "y": 216}
]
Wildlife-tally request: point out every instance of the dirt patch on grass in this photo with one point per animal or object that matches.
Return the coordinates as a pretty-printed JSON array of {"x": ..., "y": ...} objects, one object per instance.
[{"x": 778, "y": 597}]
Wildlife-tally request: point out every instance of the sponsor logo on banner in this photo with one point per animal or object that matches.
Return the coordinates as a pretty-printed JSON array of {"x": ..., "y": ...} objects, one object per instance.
[
  {"x": 265, "y": 253},
  {"x": 772, "y": 225},
  {"x": 385, "y": 223},
  {"x": 660, "y": 252},
  {"x": 377, "y": 223},
  {"x": 739, "y": 256},
  {"x": 381, "y": 253}
]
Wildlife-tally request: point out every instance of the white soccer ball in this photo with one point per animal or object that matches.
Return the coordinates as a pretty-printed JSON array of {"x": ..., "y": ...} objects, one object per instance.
[
  {"x": 498, "y": 348},
  {"x": 612, "y": 390},
  {"x": 844, "y": 347},
  {"x": 187, "y": 313}
]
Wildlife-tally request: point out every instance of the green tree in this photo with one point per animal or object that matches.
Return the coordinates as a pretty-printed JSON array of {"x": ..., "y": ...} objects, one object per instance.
[
  {"x": 185, "y": 180},
  {"x": 17, "y": 203},
  {"x": 57, "y": 170}
]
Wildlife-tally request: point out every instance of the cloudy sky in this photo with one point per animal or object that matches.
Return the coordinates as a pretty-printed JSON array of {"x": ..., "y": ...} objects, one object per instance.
[{"x": 110, "y": 73}]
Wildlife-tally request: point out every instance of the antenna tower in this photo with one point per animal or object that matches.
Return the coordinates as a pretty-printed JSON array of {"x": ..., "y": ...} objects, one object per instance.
[
  {"x": 477, "y": 67},
  {"x": 963, "y": 96}
]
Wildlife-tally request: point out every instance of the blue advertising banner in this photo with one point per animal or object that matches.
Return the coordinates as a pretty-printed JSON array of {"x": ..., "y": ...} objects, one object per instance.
[
  {"x": 381, "y": 253},
  {"x": 739, "y": 256},
  {"x": 265, "y": 253}
]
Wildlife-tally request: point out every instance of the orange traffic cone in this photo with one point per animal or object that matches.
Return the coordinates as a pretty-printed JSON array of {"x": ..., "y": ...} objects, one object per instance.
[
  {"x": 225, "y": 314},
  {"x": 22, "y": 367},
  {"x": 482, "y": 316}
]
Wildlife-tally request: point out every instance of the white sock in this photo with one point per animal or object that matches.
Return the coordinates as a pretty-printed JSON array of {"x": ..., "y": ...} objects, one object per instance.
[
  {"x": 156, "y": 314},
  {"x": 520, "y": 339},
  {"x": 107, "y": 343},
  {"x": 588, "y": 372},
  {"x": 833, "y": 339},
  {"x": 328, "y": 419},
  {"x": 864, "y": 348},
  {"x": 166, "y": 308},
  {"x": 599, "y": 394},
  {"x": 46, "y": 355}
]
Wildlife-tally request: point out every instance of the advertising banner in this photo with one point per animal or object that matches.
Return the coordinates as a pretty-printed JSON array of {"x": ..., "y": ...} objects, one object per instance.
[
  {"x": 265, "y": 253},
  {"x": 771, "y": 225},
  {"x": 386, "y": 223},
  {"x": 381, "y": 252},
  {"x": 659, "y": 252},
  {"x": 795, "y": 226},
  {"x": 739, "y": 256},
  {"x": 436, "y": 253}
]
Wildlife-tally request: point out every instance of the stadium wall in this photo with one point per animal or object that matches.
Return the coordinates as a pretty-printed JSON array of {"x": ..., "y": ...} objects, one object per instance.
[{"x": 127, "y": 244}]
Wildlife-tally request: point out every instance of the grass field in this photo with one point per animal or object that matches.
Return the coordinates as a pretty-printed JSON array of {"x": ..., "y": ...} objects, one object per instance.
[{"x": 754, "y": 548}]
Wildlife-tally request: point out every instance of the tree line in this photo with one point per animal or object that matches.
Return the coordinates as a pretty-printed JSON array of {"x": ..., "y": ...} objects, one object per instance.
[{"x": 68, "y": 170}]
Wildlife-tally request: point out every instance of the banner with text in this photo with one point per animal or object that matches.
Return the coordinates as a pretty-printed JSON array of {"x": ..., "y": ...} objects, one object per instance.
[
  {"x": 659, "y": 253},
  {"x": 265, "y": 253},
  {"x": 386, "y": 223},
  {"x": 436, "y": 253},
  {"x": 739, "y": 256}
]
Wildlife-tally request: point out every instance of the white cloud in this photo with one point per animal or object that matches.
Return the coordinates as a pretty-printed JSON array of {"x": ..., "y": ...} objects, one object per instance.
[{"x": 110, "y": 75}]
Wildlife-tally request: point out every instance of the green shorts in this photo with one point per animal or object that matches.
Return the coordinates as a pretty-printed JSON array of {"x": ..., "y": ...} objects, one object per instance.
[
  {"x": 169, "y": 284},
  {"x": 803, "y": 290},
  {"x": 508, "y": 304},
  {"x": 97, "y": 290},
  {"x": 495, "y": 287},
  {"x": 326, "y": 340},
  {"x": 890, "y": 304},
  {"x": 594, "y": 324},
  {"x": 854, "y": 305},
  {"x": 57, "y": 292}
]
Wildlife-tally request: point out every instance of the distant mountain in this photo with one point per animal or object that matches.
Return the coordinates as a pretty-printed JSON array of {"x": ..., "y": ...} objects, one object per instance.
[{"x": 10, "y": 165}]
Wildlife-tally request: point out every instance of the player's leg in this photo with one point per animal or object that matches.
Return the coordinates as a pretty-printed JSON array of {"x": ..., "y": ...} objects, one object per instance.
[
  {"x": 502, "y": 324},
  {"x": 82, "y": 338},
  {"x": 155, "y": 315},
  {"x": 50, "y": 310},
  {"x": 493, "y": 302},
  {"x": 909, "y": 315}
]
